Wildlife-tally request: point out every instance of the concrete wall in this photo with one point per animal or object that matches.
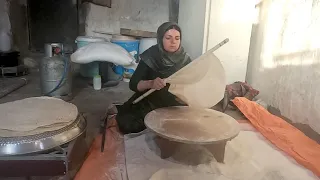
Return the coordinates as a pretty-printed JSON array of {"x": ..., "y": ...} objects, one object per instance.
[
  {"x": 19, "y": 25},
  {"x": 232, "y": 19},
  {"x": 4, "y": 13},
  {"x": 138, "y": 14},
  {"x": 192, "y": 18},
  {"x": 5, "y": 26},
  {"x": 205, "y": 23},
  {"x": 284, "y": 59},
  {"x": 13, "y": 19}
]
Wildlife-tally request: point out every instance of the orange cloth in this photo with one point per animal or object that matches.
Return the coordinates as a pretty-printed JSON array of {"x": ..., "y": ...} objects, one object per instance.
[
  {"x": 285, "y": 136},
  {"x": 100, "y": 165}
]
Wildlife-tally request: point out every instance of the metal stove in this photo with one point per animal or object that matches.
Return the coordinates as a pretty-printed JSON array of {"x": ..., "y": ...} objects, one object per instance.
[{"x": 53, "y": 153}]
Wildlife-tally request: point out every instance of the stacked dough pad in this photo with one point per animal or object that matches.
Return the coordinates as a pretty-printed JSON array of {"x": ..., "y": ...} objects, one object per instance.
[{"x": 35, "y": 115}]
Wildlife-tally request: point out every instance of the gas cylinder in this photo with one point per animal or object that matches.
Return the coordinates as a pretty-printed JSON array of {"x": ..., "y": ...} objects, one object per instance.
[
  {"x": 56, "y": 76},
  {"x": 50, "y": 48}
]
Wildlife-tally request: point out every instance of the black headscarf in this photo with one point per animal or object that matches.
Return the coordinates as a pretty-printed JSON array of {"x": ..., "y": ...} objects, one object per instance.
[{"x": 158, "y": 59}]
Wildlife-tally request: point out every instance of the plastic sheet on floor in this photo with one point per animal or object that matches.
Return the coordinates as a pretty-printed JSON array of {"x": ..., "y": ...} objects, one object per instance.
[{"x": 249, "y": 156}]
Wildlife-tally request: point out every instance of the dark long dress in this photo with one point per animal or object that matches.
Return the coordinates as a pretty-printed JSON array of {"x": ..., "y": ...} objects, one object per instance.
[{"x": 130, "y": 117}]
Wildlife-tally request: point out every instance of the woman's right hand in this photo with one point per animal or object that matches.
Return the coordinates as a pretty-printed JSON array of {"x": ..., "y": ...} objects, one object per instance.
[{"x": 157, "y": 84}]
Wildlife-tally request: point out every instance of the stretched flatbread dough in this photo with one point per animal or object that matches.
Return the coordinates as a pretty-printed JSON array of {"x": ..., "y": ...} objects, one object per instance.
[
  {"x": 32, "y": 114},
  {"x": 201, "y": 84},
  {"x": 185, "y": 174}
]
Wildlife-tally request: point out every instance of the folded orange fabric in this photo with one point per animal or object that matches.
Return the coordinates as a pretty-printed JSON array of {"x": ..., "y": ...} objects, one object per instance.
[{"x": 282, "y": 134}]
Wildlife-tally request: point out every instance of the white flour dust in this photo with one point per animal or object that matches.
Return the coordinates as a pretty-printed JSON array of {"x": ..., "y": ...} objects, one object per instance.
[{"x": 248, "y": 157}]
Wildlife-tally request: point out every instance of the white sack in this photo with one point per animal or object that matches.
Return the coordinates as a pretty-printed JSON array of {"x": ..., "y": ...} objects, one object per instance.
[{"x": 102, "y": 51}]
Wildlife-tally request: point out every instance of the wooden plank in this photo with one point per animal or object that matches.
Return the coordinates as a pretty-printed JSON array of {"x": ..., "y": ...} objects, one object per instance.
[{"x": 137, "y": 33}]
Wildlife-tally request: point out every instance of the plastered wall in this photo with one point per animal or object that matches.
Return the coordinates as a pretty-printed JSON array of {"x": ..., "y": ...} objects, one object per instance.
[
  {"x": 192, "y": 16},
  {"x": 232, "y": 19},
  {"x": 205, "y": 23},
  {"x": 284, "y": 58},
  {"x": 138, "y": 14}
]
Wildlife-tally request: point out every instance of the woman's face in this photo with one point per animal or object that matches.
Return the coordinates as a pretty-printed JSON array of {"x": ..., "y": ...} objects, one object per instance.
[{"x": 171, "y": 40}]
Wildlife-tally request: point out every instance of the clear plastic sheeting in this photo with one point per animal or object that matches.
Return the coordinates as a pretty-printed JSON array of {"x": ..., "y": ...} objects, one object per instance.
[{"x": 248, "y": 157}]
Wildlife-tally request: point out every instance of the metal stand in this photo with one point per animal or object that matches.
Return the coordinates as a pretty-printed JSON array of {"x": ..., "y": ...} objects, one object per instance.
[
  {"x": 57, "y": 163},
  {"x": 111, "y": 111}
]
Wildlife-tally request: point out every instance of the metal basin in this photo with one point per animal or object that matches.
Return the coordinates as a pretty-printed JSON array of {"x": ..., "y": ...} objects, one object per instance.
[{"x": 44, "y": 141}]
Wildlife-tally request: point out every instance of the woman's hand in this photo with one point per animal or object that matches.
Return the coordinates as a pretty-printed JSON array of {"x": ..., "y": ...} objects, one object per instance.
[{"x": 157, "y": 84}]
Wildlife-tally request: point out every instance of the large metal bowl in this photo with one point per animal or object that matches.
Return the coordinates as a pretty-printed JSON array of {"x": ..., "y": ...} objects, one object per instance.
[{"x": 42, "y": 142}]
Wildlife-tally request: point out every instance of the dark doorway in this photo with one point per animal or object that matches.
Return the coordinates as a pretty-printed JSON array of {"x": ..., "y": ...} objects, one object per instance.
[{"x": 52, "y": 21}]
